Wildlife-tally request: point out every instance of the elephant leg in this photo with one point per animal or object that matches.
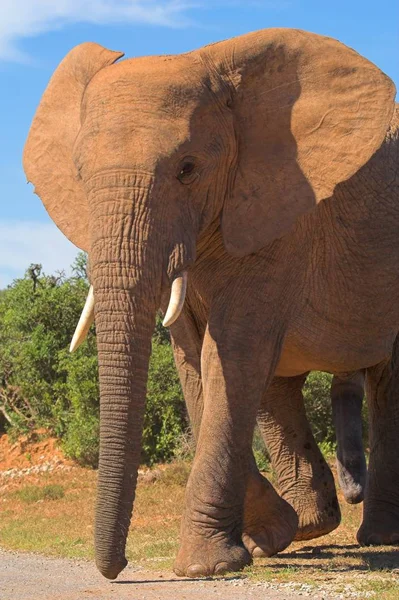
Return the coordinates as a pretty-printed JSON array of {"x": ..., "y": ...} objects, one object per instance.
[
  {"x": 347, "y": 399},
  {"x": 304, "y": 478},
  {"x": 380, "y": 523},
  {"x": 211, "y": 532},
  {"x": 270, "y": 523},
  {"x": 262, "y": 504}
]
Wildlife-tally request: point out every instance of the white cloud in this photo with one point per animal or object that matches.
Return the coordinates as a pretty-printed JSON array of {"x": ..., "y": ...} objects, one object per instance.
[
  {"x": 26, "y": 18},
  {"x": 26, "y": 242}
]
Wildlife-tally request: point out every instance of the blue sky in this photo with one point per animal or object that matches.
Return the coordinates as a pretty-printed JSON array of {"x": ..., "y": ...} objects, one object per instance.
[{"x": 36, "y": 34}]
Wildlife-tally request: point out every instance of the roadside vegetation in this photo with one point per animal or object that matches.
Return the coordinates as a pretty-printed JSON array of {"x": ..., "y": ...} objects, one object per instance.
[
  {"x": 52, "y": 513},
  {"x": 42, "y": 385},
  {"x": 46, "y": 391}
]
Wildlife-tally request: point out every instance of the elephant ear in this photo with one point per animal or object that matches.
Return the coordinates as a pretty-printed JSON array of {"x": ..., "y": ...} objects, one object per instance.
[
  {"x": 47, "y": 159},
  {"x": 309, "y": 112}
]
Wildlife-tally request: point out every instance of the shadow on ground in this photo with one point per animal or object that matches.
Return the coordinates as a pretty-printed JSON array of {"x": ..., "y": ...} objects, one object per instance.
[{"x": 333, "y": 557}]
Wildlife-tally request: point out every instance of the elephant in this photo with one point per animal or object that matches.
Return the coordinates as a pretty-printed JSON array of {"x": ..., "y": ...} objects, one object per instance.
[{"x": 255, "y": 177}]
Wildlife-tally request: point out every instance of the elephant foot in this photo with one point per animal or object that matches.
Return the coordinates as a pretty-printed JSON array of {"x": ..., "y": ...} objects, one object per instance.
[
  {"x": 206, "y": 556},
  {"x": 314, "y": 523},
  {"x": 380, "y": 529},
  {"x": 317, "y": 507},
  {"x": 270, "y": 523}
]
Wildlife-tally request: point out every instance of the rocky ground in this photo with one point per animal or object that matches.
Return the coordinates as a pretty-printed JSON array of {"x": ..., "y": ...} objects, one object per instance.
[
  {"x": 32, "y": 577},
  {"x": 330, "y": 568}
]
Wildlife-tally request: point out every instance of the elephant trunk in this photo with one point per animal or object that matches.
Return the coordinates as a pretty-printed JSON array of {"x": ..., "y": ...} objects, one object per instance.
[
  {"x": 125, "y": 322},
  {"x": 126, "y": 274}
]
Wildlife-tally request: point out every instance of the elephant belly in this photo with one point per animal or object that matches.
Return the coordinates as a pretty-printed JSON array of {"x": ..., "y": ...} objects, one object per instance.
[
  {"x": 300, "y": 356},
  {"x": 347, "y": 314},
  {"x": 339, "y": 333}
]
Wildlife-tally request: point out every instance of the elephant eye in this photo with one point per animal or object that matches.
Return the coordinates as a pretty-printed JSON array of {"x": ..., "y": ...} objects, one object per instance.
[{"x": 187, "y": 173}]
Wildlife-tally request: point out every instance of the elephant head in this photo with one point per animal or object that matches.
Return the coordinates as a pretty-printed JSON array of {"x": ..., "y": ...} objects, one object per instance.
[{"x": 135, "y": 161}]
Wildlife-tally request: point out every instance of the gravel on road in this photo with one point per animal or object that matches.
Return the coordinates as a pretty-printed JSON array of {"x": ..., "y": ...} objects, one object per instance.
[{"x": 35, "y": 577}]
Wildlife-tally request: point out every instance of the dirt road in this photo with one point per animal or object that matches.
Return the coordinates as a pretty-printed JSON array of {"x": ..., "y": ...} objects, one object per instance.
[{"x": 33, "y": 577}]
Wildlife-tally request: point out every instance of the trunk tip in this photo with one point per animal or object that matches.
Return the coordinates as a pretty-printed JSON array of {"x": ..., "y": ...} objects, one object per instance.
[{"x": 111, "y": 571}]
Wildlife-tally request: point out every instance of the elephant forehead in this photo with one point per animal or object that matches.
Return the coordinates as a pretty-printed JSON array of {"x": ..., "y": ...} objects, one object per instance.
[
  {"x": 173, "y": 85},
  {"x": 127, "y": 132},
  {"x": 129, "y": 141},
  {"x": 142, "y": 110}
]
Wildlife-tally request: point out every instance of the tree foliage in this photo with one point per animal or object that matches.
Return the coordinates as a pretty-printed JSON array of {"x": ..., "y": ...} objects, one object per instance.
[
  {"x": 43, "y": 385},
  {"x": 316, "y": 393},
  {"x": 165, "y": 417},
  {"x": 37, "y": 317}
]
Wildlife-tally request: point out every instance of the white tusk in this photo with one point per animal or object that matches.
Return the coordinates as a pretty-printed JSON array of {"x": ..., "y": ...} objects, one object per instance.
[
  {"x": 86, "y": 319},
  {"x": 176, "y": 302}
]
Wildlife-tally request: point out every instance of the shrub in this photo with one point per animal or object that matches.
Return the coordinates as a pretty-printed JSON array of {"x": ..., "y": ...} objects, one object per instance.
[
  {"x": 185, "y": 446},
  {"x": 316, "y": 393},
  {"x": 318, "y": 408},
  {"x": 37, "y": 314},
  {"x": 165, "y": 417},
  {"x": 328, "y": 450},
  {"x": 260, "y": 453},
  {"x": 79, "y": 420},
  {"x": 43, "y": 385}
]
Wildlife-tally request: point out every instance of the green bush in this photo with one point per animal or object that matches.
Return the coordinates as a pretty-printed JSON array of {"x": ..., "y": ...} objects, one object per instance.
[
  {"x": 81, "y": 441},
  {"x": 43, "y": 385},
  {"x": 316, "y": 393},
  {"x": 79, "y": 420},
  {"x": 260, "y": 453},
  {"x": 37, "y": 315},
  {"x": 165, "y": 417}
]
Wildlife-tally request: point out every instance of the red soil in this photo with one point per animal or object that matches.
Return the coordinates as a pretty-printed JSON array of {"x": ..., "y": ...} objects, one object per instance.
[{"x": 30, "y": 450}]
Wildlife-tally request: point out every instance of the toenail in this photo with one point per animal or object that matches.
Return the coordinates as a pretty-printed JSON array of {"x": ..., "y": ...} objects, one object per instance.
[
  {"x": 221, "y": 568},
  {"x": 196, "y": 570},
  {"x": 257, "y": 552}
]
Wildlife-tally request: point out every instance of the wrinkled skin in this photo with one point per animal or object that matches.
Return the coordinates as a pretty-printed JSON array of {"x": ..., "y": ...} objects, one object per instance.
[
  {"x": 224, "y": 162},
  {"x": 347, "y": 400},
  {"x": 269, "y": 523},
  {"x": 304, "y": 477}
]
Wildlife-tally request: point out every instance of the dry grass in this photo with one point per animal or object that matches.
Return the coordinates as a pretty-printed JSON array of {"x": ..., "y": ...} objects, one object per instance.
[
  {"x": 64, "y": 527},
  {"x": 36, "y": 493}
]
